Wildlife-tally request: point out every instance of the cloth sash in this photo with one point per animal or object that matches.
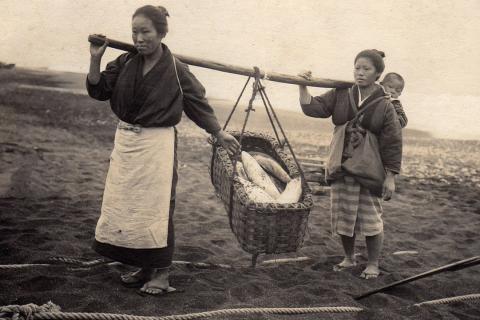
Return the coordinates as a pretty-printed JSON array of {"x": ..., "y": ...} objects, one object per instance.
[{"x": 136, "y": 200}]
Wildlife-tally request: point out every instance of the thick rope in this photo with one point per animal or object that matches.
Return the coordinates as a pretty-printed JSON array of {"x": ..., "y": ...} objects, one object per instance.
[
  {"x": 78, "y": 262},
  {"x": 236, "y": 104},
  {"x": 34, "y": 312},
  {"x": 50, "y": 311},
  {"x": 240, "y": 140},
  {"x": 23, "y": 266},
  {"x": 468, "y": 297},
  {"x": 61, "y": 261},
  {"x": 203, "y": 265},
  {"x": 300, "y": 170},
  {"x": 224, "y": 128},
  {"x": 272, "y": 123},
  {"x": 28, "y": 311}
]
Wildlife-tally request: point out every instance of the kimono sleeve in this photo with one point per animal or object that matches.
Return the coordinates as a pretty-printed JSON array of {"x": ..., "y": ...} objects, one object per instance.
[
  {"x": 390, "y": 141},
  {"x": 196, "y": 106},
  {"x": 321, "y": 106},
  {"x": 108, "y": 78}
]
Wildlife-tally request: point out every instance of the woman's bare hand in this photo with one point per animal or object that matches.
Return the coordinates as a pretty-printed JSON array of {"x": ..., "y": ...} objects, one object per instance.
[
  {"x": 227, "y": 141},
  {"x": 388, "y": 186},
  {"x": 307, "y": 75},
  {"x": 97, "y": 51}
]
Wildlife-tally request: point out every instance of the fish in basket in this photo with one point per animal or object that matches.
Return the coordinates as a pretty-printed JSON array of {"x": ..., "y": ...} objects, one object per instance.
[{"x": 262, "y": 226}]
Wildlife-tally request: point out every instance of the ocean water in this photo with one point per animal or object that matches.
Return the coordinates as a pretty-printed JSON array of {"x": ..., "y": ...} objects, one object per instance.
[
  {"x": 446, "y": 116},
  {"x": 436, "y": 53}
]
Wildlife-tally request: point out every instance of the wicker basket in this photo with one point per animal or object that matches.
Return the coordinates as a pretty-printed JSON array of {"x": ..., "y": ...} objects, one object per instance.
[{"x": 261, "y": 227}]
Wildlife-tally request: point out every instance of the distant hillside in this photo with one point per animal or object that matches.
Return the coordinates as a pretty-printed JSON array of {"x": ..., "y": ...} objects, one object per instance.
[{"x": 258, "y": 120}]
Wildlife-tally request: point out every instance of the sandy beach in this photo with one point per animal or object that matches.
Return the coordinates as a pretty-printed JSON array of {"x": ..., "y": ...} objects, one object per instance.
[{"x": 54, "y": 153}]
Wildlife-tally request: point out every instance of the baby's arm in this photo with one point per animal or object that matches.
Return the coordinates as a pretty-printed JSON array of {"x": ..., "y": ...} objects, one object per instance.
[{"x": 402, "y": 117}]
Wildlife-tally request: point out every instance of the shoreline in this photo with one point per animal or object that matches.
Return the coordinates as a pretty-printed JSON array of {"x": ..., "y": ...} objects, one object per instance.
[{"x": 55, "y": 151}]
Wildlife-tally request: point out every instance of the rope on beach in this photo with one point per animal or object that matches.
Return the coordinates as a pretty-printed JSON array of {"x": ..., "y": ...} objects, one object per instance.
[
  {"x": 468, "y": 297},
  {"x": 22, "y": 266},
  {"x": 203, "y": 265},
  {"x": 58, "y": 261},
  {"x": 28, "y": 311},
  {"x": 52, "y": 312},
  {"x": 70, "y": 261},
  {"x": 77, "y": 262}
]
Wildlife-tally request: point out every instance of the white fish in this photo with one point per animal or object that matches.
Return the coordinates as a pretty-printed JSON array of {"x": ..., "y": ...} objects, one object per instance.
[
  {"x": 292, "y": 192},
  {"x": 272, "y": 166},
  {"x": 255, "y": 193},
  {"x": 258, "y": 176},
  {"x": 241, "y": 171}
]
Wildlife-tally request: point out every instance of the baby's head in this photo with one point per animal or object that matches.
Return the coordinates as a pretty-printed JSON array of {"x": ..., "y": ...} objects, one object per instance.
[{"x": 393, "y": 84}]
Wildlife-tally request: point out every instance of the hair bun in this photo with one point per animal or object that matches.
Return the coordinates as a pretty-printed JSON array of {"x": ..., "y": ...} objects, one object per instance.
[
  {"x": 380, "y": 53},
  {"x": 164, "y": 11}
]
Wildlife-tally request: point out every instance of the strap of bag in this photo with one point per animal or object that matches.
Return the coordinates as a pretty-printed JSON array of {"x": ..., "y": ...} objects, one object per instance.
[
  {"x": 357, "y": 112},
  {"x": 176, "y": 74},
  {"x": 352, "y": 101}
]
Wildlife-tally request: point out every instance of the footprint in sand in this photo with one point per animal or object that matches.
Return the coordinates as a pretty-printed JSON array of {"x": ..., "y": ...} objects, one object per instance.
[
  {"x": 194, "y": 254},
  {"x": 83, "y": 236},
  {"x": 247, "y": 291},
  {"x": 41, "y": 284},
  {"x": 89, "y": 221},
  {"x": 28, "y": 239},
  {"x": 423, "y": 236},
  {"x": 412, "y": 264},
  {"x": 207, "y": 301},
  {"x": 220, "y": 243}
]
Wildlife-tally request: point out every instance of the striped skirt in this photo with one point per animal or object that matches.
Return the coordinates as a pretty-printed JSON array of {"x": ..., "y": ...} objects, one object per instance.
[{"x": 354, "y": 210}]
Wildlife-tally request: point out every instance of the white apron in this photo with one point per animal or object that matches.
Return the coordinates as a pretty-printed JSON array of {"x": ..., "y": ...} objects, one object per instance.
[{"x": 136, "y": 200}]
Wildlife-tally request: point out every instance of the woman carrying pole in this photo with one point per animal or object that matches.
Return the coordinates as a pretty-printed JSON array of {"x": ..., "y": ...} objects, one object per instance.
[
  {"x": 364, "y": 113},
  {"x": 148, "y": 92}
]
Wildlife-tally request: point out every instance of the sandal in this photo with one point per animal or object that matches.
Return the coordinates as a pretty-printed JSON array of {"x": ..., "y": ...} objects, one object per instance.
[
  {"x": 131, "y": 280},
  {"x": 157, "y": 291}
]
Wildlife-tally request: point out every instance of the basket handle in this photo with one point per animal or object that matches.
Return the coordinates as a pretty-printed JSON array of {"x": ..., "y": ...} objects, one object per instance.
[
  {"x": 237, "y": 155},
  {"x": 268, "y": 105}
]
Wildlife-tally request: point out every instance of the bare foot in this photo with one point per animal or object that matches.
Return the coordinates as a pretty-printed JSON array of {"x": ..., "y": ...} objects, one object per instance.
[
  {"x": 158, "y": 283},
  {"x": 345, "y": 264},
  {"x": 135, "y": 276},
  {"x": 371, "y": 272}
]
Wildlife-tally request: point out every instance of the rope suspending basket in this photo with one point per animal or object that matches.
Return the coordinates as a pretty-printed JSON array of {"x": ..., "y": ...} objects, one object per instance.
[
  {"x": 268, "y": 228},
  {"x": 259, "y": 227}
]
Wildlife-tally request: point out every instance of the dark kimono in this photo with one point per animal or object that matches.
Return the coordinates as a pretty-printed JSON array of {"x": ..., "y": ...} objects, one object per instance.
[
  {"x": 153, "y": 100},
  {"x": 381, "y": 120},
  {"x": 355, "y": 209}
]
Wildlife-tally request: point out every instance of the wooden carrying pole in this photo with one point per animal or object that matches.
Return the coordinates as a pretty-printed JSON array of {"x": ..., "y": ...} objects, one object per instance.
[
  {"x": 272, "y": 76},
  {"x": 470, "y": 262}
]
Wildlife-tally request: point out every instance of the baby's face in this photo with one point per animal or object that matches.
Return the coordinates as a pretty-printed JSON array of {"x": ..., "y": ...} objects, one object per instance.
[{"x": 394, "y": 87}]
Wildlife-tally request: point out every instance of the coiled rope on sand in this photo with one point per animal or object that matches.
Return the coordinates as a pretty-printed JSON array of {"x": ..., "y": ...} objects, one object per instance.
[
  {"x": 468, "y": 297},
  {"x": 75, "y": 262},
  {"x": 52, "y": 312},
  {"x": 23, "y": 266}
]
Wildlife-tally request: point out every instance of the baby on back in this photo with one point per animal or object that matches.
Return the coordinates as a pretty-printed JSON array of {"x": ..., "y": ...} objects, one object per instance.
[{"x": 393, "y": 85}]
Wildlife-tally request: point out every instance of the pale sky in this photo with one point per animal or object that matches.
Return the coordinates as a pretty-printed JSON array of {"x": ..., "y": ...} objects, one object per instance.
[{"x": 433, "y": 44}]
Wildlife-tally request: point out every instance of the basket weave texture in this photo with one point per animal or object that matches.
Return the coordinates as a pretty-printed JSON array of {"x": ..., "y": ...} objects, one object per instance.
[{"x": 261, "y": 227}]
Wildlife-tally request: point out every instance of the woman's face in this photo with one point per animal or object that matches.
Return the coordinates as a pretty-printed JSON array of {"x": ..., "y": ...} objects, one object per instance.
[
  {"x": 364, "y": 72},
  {"x": 145, "y": 37}
]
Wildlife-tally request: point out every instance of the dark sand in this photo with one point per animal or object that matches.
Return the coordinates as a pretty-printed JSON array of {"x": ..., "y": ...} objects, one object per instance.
[{"x": 54, "y": 151}]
